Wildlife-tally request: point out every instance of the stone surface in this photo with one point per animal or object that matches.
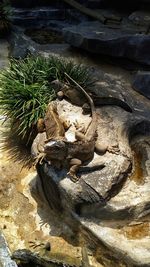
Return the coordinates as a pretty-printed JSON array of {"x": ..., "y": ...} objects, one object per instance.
[
  {"x": 140, "y": 18},
  {"x": 5, "y": 260},
  {"x": 123, "y": 218},
  {"x": 30, "y": 16},
  {"x": 99, "y": 201},
  {"x": 18, "y": 44},
  {"x": 110, "y": 211},
  {"x": 3, "y": 53},
  {"x": 129, "y": 243},
  {"x": 141, "y": 83},
  {"x": 100, "y": 189},
  {"x": 20, "y": 200},
  {"x": 136, "y": 189},
  {"x": 21, "y": 45},
  {"x": 97, "y": 38},
  {"x": 120, "y": 37},
  {"x": 115, "y": 129}
]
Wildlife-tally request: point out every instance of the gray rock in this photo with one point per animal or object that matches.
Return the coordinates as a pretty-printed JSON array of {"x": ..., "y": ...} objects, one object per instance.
[
  {"x": 30, "y": 16},
  {"x": 97, "y": 38},
  {"x": 5, "y": 259},
  {"x": 20, "y": 44},
  {"x": 102, "y": 177},
  {"x": 117, "y": 208},
  {"x": 140, "y": 18},
  {"x": 118, "y": 216},
  {"x": 141, "y": 83},
  {"x": 123, "y": 223},
  {"x": 100, "y": 185},
  {"x": 108, "y": 86},
  {"x": 48, "y": 187},
  {"x": 3, "y": 53},
  {"x": 110, "y": 204}
]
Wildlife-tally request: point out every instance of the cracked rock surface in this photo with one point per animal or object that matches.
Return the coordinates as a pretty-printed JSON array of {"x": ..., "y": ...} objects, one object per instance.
[
  {"x": 112, "y": 201},
  {"x": 109, "y": 206}
]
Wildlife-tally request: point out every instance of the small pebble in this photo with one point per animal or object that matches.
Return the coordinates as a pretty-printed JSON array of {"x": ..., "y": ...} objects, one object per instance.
[{"x": 60, "y": 95}]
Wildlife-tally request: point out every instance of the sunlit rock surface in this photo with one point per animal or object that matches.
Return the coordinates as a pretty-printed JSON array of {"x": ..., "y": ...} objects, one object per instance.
[
  {"x": 26, "y": 220},
  {"x": 116, "y": 195},
  {"x": 119, "y": 234}
]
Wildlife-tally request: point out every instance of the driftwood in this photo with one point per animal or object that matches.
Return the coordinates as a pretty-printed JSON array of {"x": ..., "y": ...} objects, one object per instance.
[{"x": 85, "y": 10}]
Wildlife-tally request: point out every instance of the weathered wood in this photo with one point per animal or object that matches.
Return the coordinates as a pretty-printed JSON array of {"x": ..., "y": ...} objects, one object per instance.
[{"x": 85, "y": 10}]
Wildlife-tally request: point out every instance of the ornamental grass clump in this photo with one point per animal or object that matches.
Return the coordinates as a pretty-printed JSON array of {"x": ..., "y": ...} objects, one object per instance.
[{"x": 25, "y": 89}]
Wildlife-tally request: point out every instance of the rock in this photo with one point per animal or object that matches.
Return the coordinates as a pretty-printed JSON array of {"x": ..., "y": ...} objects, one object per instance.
[
  {"x": 140, "y": 18},
  {"x": 123, "y": 224},
  {"x": 16, "y": 203},
  {"x": 141, "y": 83},
  {"x": 117, "y": 208},
  {"x": 20, "y": 46},
  {"x": 29, "y": 257},
  {"x": 127, "y": 41},
  {"x": 43, "y": 15},
  {"x": 48, "y": 188},
  {"x": 121, "y": 242},
  {"x": 3, "y": 53},
  {"x": 96, "y": 38},
  {"x": 5, "y": 259},
  {"x": 108, "y": 86},
  {"x": 102, "y": 177},
  {"x": 109, "y": 201}
]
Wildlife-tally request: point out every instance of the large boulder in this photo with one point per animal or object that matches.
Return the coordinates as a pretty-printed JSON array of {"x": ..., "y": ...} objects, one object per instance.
[
  {"x": 97, "y": 38},
  {"x": 110, "y": 203}
]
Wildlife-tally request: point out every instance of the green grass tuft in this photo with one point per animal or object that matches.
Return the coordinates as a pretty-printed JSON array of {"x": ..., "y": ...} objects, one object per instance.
[{"x": 25, "y": 89}]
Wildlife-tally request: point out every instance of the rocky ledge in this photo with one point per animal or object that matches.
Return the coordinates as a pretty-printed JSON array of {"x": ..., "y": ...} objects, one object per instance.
[
  {"x": 111, "y": 200},
  {"x": 120, "y": 37}
]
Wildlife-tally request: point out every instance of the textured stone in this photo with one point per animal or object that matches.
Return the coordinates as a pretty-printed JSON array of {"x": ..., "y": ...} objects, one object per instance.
[
  {"x": 114, "y": 226},
  {"x": 101, "y": 178},
  {"x": 113, "y": 212},
  {"x": 96, "y": 38},
  {"x": 5, "y": 259},
  {"x": 21, "y": 45},
  {"x": 130, "y": 244},
  {"x": 3, "y": 53},
  {"x": 136, "y": 189},
  {"x": 140, "y": 18},
  {"x": 117, "y": 214},
  {"x": 29, "y": 17},
  {"x": 141, "y": 83}
]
